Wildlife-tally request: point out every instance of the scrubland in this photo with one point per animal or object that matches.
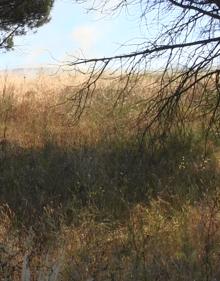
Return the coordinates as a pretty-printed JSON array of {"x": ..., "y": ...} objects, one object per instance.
[{"x": 84, "y": 201}]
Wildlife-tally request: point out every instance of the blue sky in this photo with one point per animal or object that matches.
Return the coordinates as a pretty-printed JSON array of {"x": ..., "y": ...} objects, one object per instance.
[{"x": 71, "y": 31}]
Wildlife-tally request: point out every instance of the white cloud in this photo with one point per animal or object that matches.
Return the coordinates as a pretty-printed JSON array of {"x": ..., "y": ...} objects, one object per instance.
[
  {"x": 34, "y": 56},
  {"x": 86, "y": 36}
]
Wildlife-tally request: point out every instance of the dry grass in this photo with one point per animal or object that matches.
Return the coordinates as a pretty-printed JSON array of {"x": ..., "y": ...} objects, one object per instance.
[
  {"x": 85, "y": 203},
  {"x": 156, "y": 242}
]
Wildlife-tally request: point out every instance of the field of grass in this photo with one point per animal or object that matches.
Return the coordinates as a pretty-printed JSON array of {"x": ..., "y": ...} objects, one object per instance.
[{"x": 86, "y": 202}]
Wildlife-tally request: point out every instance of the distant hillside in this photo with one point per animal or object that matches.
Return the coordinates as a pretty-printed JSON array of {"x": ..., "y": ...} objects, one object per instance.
[{"x": 32, "y": 71}]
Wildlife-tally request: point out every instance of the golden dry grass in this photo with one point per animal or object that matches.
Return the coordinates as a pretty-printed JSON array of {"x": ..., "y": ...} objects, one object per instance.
[{"x": 83, "y": 202}]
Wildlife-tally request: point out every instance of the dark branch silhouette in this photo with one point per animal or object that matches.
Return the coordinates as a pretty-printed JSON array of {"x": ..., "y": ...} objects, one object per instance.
[{"x": 187, "y": 49}]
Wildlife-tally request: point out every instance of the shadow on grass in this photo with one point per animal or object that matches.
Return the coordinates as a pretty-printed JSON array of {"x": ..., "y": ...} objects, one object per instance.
[{"x": 108, "y": 178}]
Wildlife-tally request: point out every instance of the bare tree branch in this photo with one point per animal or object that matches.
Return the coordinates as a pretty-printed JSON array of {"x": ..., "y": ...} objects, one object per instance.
[{"x": 187, "y": 45}]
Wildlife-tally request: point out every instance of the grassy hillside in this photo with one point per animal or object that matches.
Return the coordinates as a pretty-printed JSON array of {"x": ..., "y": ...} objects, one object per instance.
[{"x": 86, "y": 201}]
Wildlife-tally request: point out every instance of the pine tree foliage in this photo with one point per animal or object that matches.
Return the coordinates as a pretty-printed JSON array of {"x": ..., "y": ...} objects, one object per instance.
[{"x": 18, "y": 16}]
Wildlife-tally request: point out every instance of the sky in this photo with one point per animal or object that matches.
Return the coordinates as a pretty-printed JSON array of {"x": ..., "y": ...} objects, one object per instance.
[{"x": 72, "y": 31}]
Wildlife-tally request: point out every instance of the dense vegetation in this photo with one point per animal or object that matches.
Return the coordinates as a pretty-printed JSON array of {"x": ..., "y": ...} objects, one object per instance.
[
  {"x": 93, "y": 200},
  {"x": 89, "y": 202}
]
